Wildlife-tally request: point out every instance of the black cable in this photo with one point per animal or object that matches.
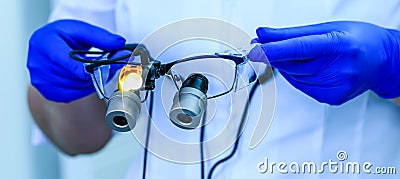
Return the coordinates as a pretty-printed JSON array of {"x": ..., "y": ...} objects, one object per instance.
[
  {"x": 130, "y": 47},
  {"x": 148, "y": 134},
  {"x": 251, "y": 94},
  {"x": 145, "y": 97},
  {"x": 202, "y": 168},
  {"x": 202, "y": 132}
]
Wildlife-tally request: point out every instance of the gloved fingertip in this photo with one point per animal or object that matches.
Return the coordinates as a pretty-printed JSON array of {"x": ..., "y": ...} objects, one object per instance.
[
  {"x": 121, "y": 41},
  {"x": 264, "y": 34},
  {"x": 260, "y": 31},
  {"x": 263, "y": 30},
  {"x": 115, "y": 42},
  {"x": 257, "y": 54}
]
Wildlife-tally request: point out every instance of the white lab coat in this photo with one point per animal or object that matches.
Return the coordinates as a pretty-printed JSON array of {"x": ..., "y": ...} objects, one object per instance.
[{"x": 366, "y": 128}]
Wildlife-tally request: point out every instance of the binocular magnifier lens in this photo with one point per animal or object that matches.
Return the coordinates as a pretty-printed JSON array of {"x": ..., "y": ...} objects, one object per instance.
[
  {"x": 190, "y": 102},
  {"x": 123, "y": 110},
  {"x": 187, "y": 110}
]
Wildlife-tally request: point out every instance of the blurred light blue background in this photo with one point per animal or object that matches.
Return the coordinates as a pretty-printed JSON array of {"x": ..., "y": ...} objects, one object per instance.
[{"x": 18, "y": 157}]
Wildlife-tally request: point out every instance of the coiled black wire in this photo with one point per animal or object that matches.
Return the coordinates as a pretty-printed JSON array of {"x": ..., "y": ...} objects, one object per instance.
[
  {"x": 202, "y": 132},
  {"x": 202, "y": 168},
  {"x": 148, "y": 135},
  {"x": 210, "y": 173}
]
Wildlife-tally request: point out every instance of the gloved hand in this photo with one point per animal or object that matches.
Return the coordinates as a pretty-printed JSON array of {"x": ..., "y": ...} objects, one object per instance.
[
  {"x": 53, "y": 73},
  {"x": 336, "y": 61}
]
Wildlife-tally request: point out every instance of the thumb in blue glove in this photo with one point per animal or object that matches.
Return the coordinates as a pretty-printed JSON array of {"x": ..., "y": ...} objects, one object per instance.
[
  {"x": 336, "y": 61},
  {"x": 53, "y": 73}
]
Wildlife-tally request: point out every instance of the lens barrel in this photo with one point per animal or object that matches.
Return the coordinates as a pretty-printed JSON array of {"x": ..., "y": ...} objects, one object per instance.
[
  {"x": 190, "y": 102},
  {"x": 123, "y": 110}
]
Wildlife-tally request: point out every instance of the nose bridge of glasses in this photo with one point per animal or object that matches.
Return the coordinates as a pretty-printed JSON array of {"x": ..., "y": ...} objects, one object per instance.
[
  {"x": 151, "y": 69},
  {"x": 151, "y": 72}
]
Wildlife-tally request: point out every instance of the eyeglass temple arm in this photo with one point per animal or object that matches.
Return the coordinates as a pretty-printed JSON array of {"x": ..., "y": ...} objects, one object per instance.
[
  {"x": 237, "y": 58},
  {"x": 136, "y": 49}
]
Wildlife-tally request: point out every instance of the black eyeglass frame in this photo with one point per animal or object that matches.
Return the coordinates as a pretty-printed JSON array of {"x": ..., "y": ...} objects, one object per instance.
[{"x": 153, "y": 69}]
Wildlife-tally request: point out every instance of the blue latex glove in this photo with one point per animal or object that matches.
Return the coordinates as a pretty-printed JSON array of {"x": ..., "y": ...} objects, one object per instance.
[
  {"x": 336, "y": 61},
  {"x": 56, "y": 76}
]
